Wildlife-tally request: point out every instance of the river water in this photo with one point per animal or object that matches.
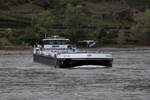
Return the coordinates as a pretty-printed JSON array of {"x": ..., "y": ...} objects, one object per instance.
[{"x": 128, "y": 79}]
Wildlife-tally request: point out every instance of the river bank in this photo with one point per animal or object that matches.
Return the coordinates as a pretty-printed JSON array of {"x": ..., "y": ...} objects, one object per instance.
[
  {"x": 118, "y": 48},
  {"x": 16, "y": 50},
  {"x": 8, "y": 52},
  {"x": 29, "y": 50}
]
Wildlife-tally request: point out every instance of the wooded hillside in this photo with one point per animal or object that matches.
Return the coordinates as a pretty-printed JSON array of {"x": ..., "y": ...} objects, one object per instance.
[{"x": 107, "y": 21}]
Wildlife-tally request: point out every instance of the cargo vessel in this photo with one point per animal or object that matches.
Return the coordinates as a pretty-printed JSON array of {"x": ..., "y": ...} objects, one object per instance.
[{"x": 58, "y": 52}]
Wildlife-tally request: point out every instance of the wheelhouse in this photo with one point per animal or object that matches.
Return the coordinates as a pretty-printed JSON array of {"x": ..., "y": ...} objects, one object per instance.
[{"x": 56, "y": 42}]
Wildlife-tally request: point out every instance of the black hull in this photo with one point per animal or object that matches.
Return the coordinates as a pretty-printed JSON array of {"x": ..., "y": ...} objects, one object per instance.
[
  {"x": 68, "y": 63},
  {"x": 47, "y": 60}
]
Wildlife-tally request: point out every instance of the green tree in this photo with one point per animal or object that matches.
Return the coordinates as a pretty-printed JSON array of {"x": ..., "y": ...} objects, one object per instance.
[
  {"x": 9, "y": 33},
  {"x": 4, "y": 42},
  {"x": 72, "y": 17},
  {"x": 42, "y": 24},
  {"x": 6, "y": 37},
  {"x": 141, "y": 29},
  {"x": 76, "y": 18},
  {"x": 121, "y": 37}
]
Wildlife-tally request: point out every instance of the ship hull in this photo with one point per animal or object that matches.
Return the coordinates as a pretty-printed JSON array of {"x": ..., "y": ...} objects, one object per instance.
[
  {"x": 69, "y": 63},
  {"x": 47, "y": 60}
]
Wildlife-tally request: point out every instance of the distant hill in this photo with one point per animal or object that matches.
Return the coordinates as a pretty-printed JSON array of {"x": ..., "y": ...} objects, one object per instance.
[
  {"x": 109, "y": 21},
  {"x": 7, "y": 4},
  {"x": 18, "y": 13}
]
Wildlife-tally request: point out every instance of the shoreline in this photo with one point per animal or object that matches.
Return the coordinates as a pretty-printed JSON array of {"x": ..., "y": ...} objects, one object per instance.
[
  {"x": 6, "y": 50},
  {"x": 118, "y": 49},
  {"x": 9, "y": 51}
]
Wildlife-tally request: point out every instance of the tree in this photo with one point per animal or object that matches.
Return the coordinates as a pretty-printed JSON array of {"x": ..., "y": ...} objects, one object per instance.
[
  {"x": 43, "y": 23},
  {"x": 6, "y": 37},
  {"x": 76, "y": 18},
  {"x": 72, "y": 17},
  {"x": 141, "y": 29},
  {"x": 121, "y": 37}
]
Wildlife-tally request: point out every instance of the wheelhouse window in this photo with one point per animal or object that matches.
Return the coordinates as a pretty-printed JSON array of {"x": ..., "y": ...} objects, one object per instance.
[{"x": 56, "y": 42}]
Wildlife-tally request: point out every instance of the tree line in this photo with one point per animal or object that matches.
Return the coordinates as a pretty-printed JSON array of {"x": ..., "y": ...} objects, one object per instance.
[{"x": 78, "y": 26}]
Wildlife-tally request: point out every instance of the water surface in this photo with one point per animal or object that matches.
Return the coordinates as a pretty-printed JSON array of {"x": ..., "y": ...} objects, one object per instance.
[{"x": 128, "y": 79}]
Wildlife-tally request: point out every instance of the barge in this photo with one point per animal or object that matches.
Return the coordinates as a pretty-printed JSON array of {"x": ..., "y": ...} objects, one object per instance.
[{"x": 57, "y": 52}]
